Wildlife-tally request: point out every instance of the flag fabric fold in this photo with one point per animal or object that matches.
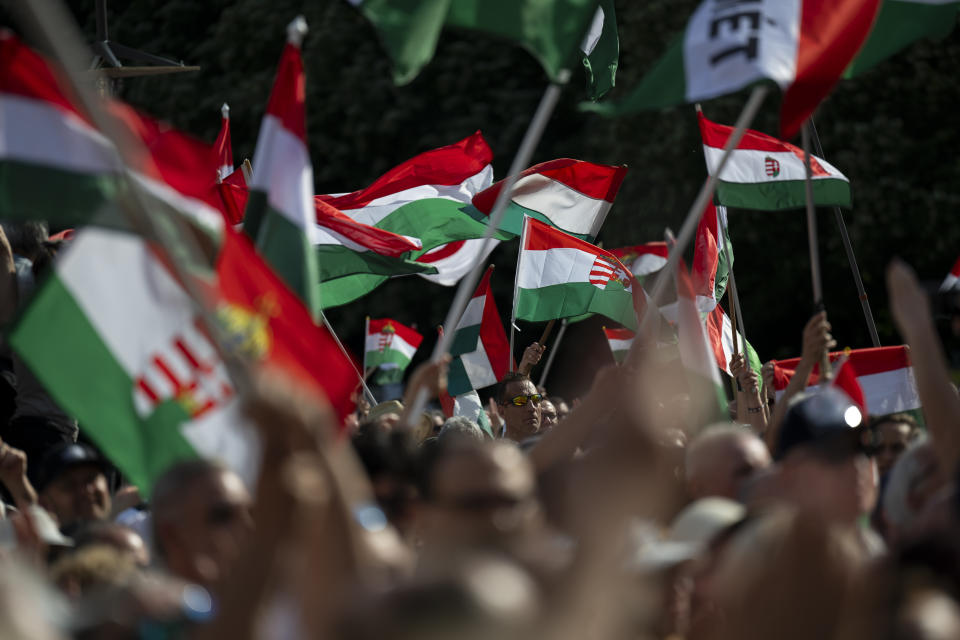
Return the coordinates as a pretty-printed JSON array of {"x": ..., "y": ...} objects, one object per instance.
[
  {"x": 571, "y": 195},
  {"x": 696, "y": 355},
  {"x": 643, "y": 259},
  {"x": 619, "y": 341},
  {"x": 952, "y": 281},
  {"x": 720, "y": 334},
  {"x": 768, "y": 174},
  {"x": 711, "y": 270},
  {"x": 601, "y": 51}
]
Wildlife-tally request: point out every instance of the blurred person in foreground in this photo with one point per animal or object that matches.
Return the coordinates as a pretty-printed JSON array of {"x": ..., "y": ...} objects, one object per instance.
[{"x": 721, "y": 459}]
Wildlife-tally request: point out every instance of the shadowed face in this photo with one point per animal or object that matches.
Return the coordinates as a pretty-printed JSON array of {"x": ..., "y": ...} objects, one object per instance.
[
  {"x": 77, "y": 494},
  {"x": 522, "y": 420}
]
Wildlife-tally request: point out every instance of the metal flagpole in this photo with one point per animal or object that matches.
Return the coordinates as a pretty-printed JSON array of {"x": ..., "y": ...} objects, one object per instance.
[
  {"x": 848, "y": 247},
  {"x": 696, "y": 210},
  {"x": 336, "y": 338},
  {"x": 813, "y": 244},
  {"x": 553, "y": 352},
  {"x": 520, "y": 161}
]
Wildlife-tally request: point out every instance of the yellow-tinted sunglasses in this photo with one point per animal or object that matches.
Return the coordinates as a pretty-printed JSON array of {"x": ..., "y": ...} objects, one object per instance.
[{"x": 521, "y": 401}]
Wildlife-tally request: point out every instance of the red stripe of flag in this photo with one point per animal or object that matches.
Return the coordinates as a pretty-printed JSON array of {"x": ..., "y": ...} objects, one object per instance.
[
  {"x": 409, "y": 335},
  {"x": 290, "y": 84},
  {"x": 377, "y": 240}
]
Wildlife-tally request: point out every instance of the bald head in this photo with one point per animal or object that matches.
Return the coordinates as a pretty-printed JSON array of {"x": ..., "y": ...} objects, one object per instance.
[{"x": 721, "y": 458}]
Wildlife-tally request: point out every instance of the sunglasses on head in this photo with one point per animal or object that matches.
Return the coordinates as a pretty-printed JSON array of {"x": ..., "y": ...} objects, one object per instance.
[{"x": 521, "y": 401}]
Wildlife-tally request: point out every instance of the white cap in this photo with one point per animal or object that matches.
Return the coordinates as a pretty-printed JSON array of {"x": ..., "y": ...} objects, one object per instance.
[{"x": 690, "y": 533}]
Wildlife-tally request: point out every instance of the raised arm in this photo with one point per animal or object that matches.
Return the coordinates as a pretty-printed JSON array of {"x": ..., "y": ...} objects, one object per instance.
[
  {"x": 749, "y": 404},
  {"x": 941, "y": 406}
]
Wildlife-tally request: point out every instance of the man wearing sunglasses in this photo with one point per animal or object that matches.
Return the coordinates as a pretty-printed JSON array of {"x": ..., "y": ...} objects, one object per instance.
[{"x": 519, "y": 404}]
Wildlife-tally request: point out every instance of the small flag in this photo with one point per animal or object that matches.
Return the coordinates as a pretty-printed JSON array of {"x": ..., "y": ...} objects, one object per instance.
[
  {"x": 952, "y": 281},
  {"x": 696, "y": 355},
  {"x": 803, "y": 46},
  {"x": 480, "y": 350},
  {"x": 389, "y": 346},
  {"x": 768, "y": 174},
  {"x": 711, "y": 269},
  {"x": 720, "y": 334},
  {"x": 560, "y": 276},
  {"x": 571, "y": 195},
  {"x": 884, "y": 374},
  {"x": 601, "y": 51},
  {"x": 620, "y": 341}
]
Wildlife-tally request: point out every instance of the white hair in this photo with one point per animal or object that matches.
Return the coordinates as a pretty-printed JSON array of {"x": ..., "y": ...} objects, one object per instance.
[{"x": 460, "y": 427}]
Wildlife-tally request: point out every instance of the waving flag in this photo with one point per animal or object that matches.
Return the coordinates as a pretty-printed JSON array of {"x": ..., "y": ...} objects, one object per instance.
[
  {"x": 695, "y": 352},
  {"x": 56, "y": 166},
  {"x": 803, "y": 46},
  {"x": 884, "y": 374},
  {"x": 768, "y": 174},
  {"x": 619, "y": 341},
  {"x": 480, "y": 349},
  {"x": 899, "y": 23},
  {"x": 560, "y": 276},
  {"x": 720, "y": 334},
  {"x": 425, "y": 197},
  {"x": 710, "y": 267},
  {"x": 390, "y": 347},
  {"x": 601, "y": 51},
  {"x": 280, "y": 213},
  {"x": 572, "y": 195},
  {"x": 952, "y": 281},
  {"x": 549, "y": 31},
  {"x": 155, "y": 389}
]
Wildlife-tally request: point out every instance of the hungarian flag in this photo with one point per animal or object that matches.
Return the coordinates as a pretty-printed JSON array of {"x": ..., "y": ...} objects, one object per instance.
[
  {"x": 455, "y": 259},
  {"x": 560, "y": 276},
  {"x": 697, "y": 356},
  {"x": 427, "y": 197},
  {"x": 619, "y": 341},
  {"x": 549, "y": 31},
  {"x": 222, "y": 146},
  {"x": 234, "y": 194},
  {"x": 952, "y": 281},
  {"x": 899, "y": 23},
  {"x": 56, "y": 166},
  {"x": 643, "y": 259},
  {"x": 345, "y": 247},
  {"x": 601, "y": 51},
  {"x": 280, "y": 213},
  {"x": 390, "y": 347},
  {"x": 884, "y": 374},
  {"x": 710, "y": 267},
  {"x": 119, "y": 344},
  {"x": 803, "y": 46},
  {"x": 768, "y": 174},
  {"x": 480, "y": 350},
  {"x": 572, "y": 195},
  {"x": 720, "y": 334}
]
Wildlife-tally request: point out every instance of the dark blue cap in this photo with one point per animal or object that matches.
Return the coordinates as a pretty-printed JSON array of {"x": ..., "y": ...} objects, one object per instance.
[
  {"x": 824, "y": 419},
  {"x": 66, "y": 456}
]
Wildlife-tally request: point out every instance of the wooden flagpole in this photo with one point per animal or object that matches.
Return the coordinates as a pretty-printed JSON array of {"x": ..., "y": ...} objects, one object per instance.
[
  {"x": 825, "y": 373},
  {"x": 553, "y": 351}
]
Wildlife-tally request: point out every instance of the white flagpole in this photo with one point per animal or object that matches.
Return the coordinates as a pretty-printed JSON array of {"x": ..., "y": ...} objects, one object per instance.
[
  {"x": 516, "y": 277},
  {"x": 336, "y": 338},
  {"x": 520, "y": 161},
  {"x": 817, "y": 283},
  {"x": 553, "y": 352}
]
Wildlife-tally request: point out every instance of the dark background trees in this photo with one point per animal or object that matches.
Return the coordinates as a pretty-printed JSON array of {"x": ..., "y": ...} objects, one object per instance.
[{"x": 893, "y": 131}]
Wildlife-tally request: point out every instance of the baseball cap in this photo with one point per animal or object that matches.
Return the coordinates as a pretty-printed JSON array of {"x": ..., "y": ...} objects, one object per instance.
[
  {"x": 63, "y": 457},
  {"x": 825, "y": 420},
  {"x": 691, "y": 532}
]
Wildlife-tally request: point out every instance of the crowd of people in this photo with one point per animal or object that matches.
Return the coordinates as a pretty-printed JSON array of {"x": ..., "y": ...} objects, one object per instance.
[{"x": 617, "y": 515}]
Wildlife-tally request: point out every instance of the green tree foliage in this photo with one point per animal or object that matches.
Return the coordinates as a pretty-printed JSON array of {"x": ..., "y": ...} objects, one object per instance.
[{"x": 893, "y": 131}]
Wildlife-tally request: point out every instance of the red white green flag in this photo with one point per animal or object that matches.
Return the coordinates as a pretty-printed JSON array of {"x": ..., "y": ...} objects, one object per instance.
[
  {"x": 768, "y": 174},
  {"x": 803, "y": 46},
  {"x": 643, "y": 259},
  {"x": 884, "y": 373},
  {"x": 711, "y": 269},
  {"x": 952, "y": 281},
  {"x": 720, "y": 334},
  {"x": 280, "y": 213},
  {"x": 697, "y": 356},
  {"x": 390, "y": 346},
  {"x": 619, "y": 341},
  {"x": 561, "y": 276},
  {"x": 480, "y": 350},
  {"x": 154, "y": 388},
  {"x": 428, "y": 198},
  {"x": 56, "y": 166},
  {"x": 571, "y": 195}
]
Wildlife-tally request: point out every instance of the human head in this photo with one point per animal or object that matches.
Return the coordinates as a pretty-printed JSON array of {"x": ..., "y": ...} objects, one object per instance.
[
  {"x": 563, "y": 408},
  {"x": 26, "y": 238},
  {"x": 721, "y": 459},
  {"x": 524, "y": 420},
  {"x": 477, "y": 493},
  {"x": 823, "y": 468},
  {"x": 71, "y": 484},
  {"x": 460, "y": 427},
  {"x": 110, "y": 534},
  {"x": 201, "y": 516},
  {"x": 549, "y": 416},
  {"x": 892, "y": 435}
]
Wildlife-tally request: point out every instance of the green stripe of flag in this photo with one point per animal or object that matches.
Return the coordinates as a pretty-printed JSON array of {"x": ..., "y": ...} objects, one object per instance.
[
  {"x": 899, "y": 23},
  {"x": 574, "y": 299},
  {"x": 783, "y": 194}
]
